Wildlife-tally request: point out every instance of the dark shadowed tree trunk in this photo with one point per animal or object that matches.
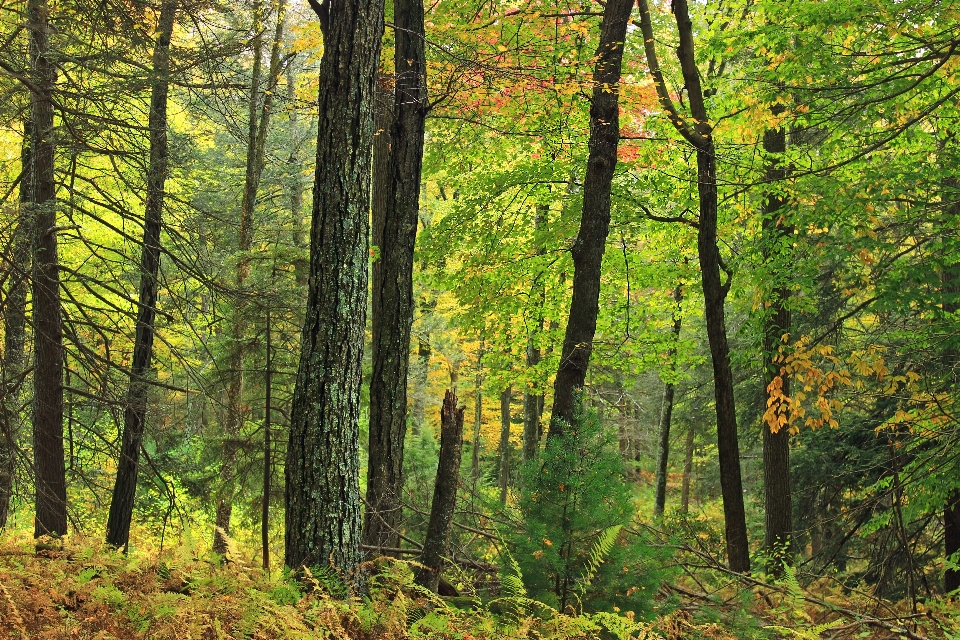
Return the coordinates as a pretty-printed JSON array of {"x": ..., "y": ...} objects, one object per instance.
[
  {"x": 506, "y": 397},
  {"x": 393, "y": 303},
  {"x": 323, "y": 462},
  {"x": 666, "y": 413},
  {"x": 14, "y": 326},
  {"x": 698, "y": 132},
  {"x": 778, "y": 509},
  {"x": 135, "y": 411},
  {"x": 951, "y": 305},
  {"x": 258, "y": 124},
  {"x": 436, "y": 546},
  {"x": 51, "y": 485},
  {"x": 595, "y": 219}
]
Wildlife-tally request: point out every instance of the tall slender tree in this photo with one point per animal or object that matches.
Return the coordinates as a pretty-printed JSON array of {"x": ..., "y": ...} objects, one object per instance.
[
  {"x": 135, "y": 411},
  {"x": 260, "y": 107},
  {"x": 392, "y": 291},
  {"x": 666, "y": 411},
  {"x": 323, "y": 461},
  {"x": 778, "y": 509},
  {"x": 14, "y": 326},
  {"x": 698, "y": 132},
  {"x": 591, "y": 240},
  {"x": 51, "y": 483}
]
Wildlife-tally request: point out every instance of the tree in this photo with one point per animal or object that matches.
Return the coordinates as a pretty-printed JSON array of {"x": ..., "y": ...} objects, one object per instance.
[
  {"x": 135, "y": 412},
  {"x": 699, "y": 136},
  {"x": 393, "y": 302},
  {"x": 778, "y": 509},
  {"x": 51, "y": 484},
  {"x": 591, "y": 240},
  {"x": 322, "y": 465}
]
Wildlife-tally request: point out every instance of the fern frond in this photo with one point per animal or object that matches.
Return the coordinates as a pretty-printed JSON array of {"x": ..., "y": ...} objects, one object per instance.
[{"x": 601, "y": 549}]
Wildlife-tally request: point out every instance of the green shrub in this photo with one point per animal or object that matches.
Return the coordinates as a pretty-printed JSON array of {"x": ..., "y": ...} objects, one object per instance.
[{"x": 576, "y": 551}]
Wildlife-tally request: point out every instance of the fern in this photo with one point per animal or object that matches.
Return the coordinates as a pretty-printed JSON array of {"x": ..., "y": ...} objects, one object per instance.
[{"x": 601, "y": 549}]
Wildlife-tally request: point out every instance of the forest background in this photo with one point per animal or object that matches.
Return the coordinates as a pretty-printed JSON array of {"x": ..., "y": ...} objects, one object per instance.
[{"x": 779, "y": 290}]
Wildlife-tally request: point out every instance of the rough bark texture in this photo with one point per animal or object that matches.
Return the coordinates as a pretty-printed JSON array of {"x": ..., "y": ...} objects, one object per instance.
[
  {"x": 436, "y": 546},
  {"x": 595, "y": 219},
  {"x": 135, "y": 411},
  {"x": 393, "y": 302},
  {"x": 258, "y": 125},
  {"x": 532, "y": 400},
  {"x": 506, "y": 397},
  {"x": 700, "y": 137},
  {"x": 778, "y": 509},
  {"x": 51, "y": 485},
  {"x": 666, "y": 415},
  {"x": 14, "y": 327},
  {"x": 951, "y": 290},
  {"x": 323, "y": 461}
]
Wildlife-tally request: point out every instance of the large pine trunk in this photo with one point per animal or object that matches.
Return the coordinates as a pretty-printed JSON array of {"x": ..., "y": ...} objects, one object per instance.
[
  {"x": 323, "y": 461},
  {"x": 436, "y": 546},
  {"x": 595, "y": 219},
  {"x": 258, "y": 123},
  {"x": 393, "y": 303},
  {"x": 778, "y": 509},
  {"x": 135, "y": 411},
  {"x": 14, "y": 327},
  {"x": 51, "y": 484}
]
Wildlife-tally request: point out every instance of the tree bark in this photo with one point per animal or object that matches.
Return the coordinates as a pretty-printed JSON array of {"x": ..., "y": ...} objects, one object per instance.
[
  {"x": 700, "y": 137},
  {"x": 506, "y": 397},
  {"x": 393, "y": 302},
  {"x": 323, "y": 462},
  {"x": 436, "y": 546},
  {"x": 778, "y": 509},
  {"x": 951, "y": 290},
  {"x": 595, "y": 219},
  {"x": 135, "y": 411},
  {"x": 258, "y": 126},
  {"x": 51, "y": 485},
  {"x": 14, "y": 324},
  {"x": 666, "y": 413}
]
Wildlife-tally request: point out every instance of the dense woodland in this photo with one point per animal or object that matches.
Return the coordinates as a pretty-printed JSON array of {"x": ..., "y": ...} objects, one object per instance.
[{"x": 622, "y": 318}]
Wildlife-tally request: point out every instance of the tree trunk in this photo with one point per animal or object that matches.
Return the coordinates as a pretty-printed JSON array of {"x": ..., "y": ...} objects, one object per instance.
[
  {"x": 135, "y": 411},
  {"x": 14, "y": 327},
  {"x": 393, "y": 302},
  {"x": 506, "y": 397},
  {"x": 595, "y": 219},
  {"x": 477, "y": 419},
  {"x": 666, "y": 413},
  {"x": 267, "y": 451},
  {"x": 778, "y": 510},
  {"x": 951, "y": 290},
  {"x": 323, "y": 461},
  {"x": 258, "y": 125},
  {"x": 51, "y": 485},
  {"x": 699, "y": 135},
  {"x": 436, "y": 547},
  {"x": 687, "y": 470},
  {"x": 533, "y": 401}
]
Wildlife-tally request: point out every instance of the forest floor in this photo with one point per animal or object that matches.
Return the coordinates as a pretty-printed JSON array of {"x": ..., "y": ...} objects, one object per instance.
[{"x": 88, "y": 591}]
